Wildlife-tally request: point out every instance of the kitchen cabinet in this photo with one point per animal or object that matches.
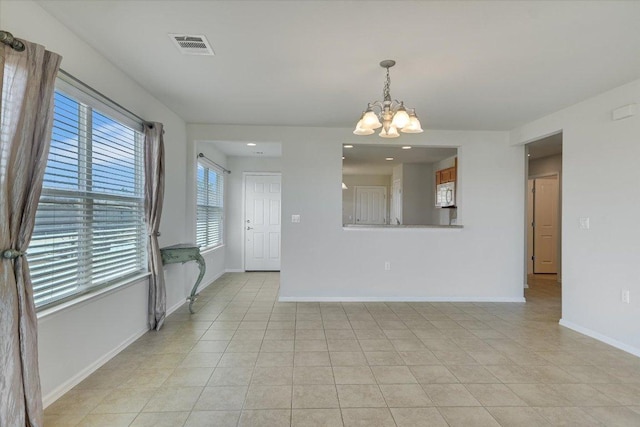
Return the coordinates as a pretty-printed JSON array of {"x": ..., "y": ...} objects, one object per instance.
[{"x": 446, "y": 175}]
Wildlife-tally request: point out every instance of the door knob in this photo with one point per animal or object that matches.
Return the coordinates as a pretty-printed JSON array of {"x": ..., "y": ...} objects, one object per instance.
[{"x": 249, "y": 228}]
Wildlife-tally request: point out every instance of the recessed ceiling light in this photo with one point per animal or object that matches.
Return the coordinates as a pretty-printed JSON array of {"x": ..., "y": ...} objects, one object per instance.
[
  {"x": 389, "y": 158},
  {"x": 406, "y": 147},
  {"x": 348, "y": 146},
  {"x": 251, "y": 144}
]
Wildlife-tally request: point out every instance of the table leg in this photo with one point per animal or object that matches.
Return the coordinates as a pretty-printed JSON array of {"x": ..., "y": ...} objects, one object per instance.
[{"x": 194, "y": 295}]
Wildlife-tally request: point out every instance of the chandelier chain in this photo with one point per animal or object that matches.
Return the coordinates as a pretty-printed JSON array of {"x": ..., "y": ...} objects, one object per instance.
[{"x": 386, "y": 92}]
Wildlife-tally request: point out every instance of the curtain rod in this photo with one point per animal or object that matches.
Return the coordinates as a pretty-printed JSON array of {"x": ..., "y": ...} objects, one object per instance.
[
  {"x": 80, "y": 82},
  {"x": 220, "y": 166},
  {"x": 7, "y": 38}
]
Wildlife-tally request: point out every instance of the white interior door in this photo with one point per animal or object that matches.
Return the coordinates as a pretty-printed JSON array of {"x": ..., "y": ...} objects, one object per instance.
[
  {"x": 530, "y": 184},
  {"x": 262, "y": 222},
  {"x": 396, "y": 203},
  {"x": 545, "y": 231},
  {"x": 371, "y": 205}
]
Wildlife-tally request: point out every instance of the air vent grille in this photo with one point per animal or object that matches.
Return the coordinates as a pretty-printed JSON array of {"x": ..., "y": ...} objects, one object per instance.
[{"x": 192, "y": 44}]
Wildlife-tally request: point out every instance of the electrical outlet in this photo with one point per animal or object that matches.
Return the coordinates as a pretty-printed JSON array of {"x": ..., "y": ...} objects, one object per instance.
[
  {"x": 387, "y": 265},
  {"x": 625, "y": 296}
]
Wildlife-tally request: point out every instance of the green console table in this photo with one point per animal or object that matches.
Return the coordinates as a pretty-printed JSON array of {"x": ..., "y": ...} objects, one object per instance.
[{"x": 182, "y": 253}]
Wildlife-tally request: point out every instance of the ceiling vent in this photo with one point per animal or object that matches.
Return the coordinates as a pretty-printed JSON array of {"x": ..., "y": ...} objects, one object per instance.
[{"x": 192, "y": 44}]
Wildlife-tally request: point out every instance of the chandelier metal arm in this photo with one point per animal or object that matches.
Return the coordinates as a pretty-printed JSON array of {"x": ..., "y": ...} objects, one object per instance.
[{"x": 393, "y": 105}]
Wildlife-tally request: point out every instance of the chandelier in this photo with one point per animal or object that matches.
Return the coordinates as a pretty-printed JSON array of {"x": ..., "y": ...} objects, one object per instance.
[{"x": 390, "y": 115}]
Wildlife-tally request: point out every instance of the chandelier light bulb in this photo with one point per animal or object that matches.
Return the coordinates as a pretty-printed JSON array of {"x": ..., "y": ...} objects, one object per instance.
[
  {"x": 370, "y": 120},
  {"x": 361, "y": 130},
  {"x": 413, "y": 126},
  {"x": 401, "y": 118},
  {"x": 392, "y": 132}
]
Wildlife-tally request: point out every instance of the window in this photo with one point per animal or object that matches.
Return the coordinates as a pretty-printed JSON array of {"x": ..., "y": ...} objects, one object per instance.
[
  {"x": 209, "y": 221},
  {"x": 89, "y": 230}
]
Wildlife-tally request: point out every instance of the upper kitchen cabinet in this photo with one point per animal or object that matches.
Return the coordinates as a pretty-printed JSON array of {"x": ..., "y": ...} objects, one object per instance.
[{"x": 447, "y": 175}]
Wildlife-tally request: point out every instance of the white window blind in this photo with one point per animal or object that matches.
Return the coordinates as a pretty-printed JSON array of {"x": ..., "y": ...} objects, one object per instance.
[
  {"x": 210, "y": 195},
  {"x": 89, "y": 230}
]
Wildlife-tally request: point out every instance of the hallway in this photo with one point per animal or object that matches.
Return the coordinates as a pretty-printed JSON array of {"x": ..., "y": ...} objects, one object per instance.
[{"x": 246, "y": 360}]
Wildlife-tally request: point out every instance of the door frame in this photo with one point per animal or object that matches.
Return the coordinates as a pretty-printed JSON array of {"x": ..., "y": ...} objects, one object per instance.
[
  {"x": 355, "y": 201},
  {"x": 559, "y": 213},
  {"x": 392, "y": 202},
  {"x": 244, "y": 213}
]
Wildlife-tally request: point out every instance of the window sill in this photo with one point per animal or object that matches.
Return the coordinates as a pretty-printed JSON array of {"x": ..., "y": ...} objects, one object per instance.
[
  {"x": 210, "y": 250},
  {"x": 91, "y": 296}
]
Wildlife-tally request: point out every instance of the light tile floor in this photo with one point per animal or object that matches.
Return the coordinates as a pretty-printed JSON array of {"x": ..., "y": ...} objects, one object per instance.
[{"x": 245, "y": 359}]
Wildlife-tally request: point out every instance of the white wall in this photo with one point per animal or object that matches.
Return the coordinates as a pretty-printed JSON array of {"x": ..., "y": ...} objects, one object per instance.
[
  {"x": 545, "y": 166},
  {"x": 235, "y": 203},
  {"x": 600, "y": 181},
  {"x": 321, "y": 260},
  {"x": 349, "y": 195},
  {"x": 76, "y": 340},
  {"x": 417, "y": 193}
]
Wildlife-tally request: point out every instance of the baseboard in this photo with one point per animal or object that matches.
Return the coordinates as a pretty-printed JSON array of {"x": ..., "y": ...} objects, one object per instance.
[
  {"x": 234, "y": 270},
  {"x": 216, "y": 277},
  {"x": 600, "y": 337},
  {"x": 175, "y": 307},
  {"x": 401, "y": 299},
  {"x": 82, "y": 375},
  {"x": 202, "y": 287}
]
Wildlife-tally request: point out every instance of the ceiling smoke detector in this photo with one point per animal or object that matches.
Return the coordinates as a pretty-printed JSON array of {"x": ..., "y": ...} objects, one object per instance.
[{"x": 192, "y": 44}]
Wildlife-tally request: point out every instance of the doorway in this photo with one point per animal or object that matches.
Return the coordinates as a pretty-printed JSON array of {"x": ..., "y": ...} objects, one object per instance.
[
  {"x": 262, "y": 222},
  {"x": 543, "y": 225},
  {"x": 371, "y": 205},
  {"x": 544, "y": 210}
]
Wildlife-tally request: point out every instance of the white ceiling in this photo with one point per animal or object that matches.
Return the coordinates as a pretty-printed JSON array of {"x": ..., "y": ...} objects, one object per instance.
[
  {"x": 462, "y": 65},
  {"x": 364, "y": 159},
  {"x": 241, "y": 149}
]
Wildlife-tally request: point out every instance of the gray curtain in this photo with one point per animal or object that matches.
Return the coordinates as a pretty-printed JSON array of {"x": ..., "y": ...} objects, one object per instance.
[
  {"x": 153, "y": 198},
  {"x": 26, "y": 117}
]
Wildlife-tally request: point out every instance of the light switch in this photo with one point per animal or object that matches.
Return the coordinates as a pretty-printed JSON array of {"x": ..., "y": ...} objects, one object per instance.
[
  {"x": 295, "y": 218},
  {"x": 584, "y": 223}
]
